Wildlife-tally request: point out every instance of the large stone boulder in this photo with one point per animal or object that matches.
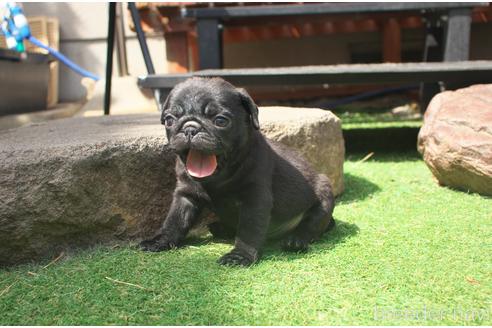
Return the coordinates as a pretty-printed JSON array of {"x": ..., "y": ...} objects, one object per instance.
[
  {"x": 315, "y": 133},
  {"x": 82, "y": 181},
  {"x": 456, "y": 138}
]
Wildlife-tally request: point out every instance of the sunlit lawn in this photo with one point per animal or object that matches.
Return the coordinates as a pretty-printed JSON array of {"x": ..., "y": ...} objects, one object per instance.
[{"x": 403, "y": 247}]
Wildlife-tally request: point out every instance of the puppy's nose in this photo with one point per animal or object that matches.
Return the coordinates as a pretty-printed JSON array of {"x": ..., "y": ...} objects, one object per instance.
[{"x": 191, "y": 128}]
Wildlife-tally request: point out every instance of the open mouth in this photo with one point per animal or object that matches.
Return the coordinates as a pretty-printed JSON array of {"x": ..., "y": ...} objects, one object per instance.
[{"x": 200, "y": 164}]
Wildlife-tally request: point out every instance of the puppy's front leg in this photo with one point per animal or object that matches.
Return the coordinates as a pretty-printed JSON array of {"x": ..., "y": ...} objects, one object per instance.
[
  {"x": 182, "y": 215},
  {"x": 254, "y": 219}
]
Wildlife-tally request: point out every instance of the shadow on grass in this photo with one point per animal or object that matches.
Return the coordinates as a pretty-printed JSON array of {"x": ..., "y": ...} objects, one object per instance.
[
  {"x": 385, "y": 156},
  {"x": 328, "y": 241},
  {"x": 272, "y": 250},
  {"x": 187, "y": 286},
  {"x": 383, "y": 139},
  {"x": 356, "y": 188},
  {"x": 395, "y": 157}
]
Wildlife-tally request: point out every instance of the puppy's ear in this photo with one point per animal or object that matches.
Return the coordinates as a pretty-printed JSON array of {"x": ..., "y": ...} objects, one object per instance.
[
  {"x": 164, "y": 105},
  {"x": 250, "y": 106},
  {"x": 164, "y": 102}
]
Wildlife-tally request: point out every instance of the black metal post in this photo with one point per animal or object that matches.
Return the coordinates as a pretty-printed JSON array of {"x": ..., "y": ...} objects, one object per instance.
[
  {"x": 143, "y": 46},
  {"x": 209, "y": 43},
  {"x": 141, "y": 38},
  {"x": 109, "y": 57},
  {"x": 433, "y": 52}
]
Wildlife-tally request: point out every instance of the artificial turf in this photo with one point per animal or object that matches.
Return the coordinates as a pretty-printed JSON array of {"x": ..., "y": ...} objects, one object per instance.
[{"x": 405, "y": 251}]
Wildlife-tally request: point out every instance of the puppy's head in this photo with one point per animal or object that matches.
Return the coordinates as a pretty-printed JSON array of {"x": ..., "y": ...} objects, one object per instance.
[{"x": 208, "y": 124}]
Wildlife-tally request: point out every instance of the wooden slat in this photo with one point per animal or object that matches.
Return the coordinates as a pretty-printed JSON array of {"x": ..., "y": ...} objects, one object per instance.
[
  {"x": 392, "y": 41},
  {"x": 319, "y": 9},
  {"x": 177, "y": 52},
  {"x": 346, "y": 74}
]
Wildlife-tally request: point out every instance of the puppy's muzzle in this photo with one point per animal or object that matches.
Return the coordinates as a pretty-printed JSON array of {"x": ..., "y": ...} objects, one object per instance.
[{"x": 191, "y": 128}]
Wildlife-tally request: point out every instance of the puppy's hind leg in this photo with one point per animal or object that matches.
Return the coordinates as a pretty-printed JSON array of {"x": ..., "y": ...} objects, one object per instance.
[{"x": 316, "y": 220}]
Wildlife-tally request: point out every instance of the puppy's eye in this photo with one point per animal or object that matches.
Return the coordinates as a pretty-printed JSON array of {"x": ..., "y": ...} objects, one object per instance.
[
  {"x": 221, "y": 121},
  {"x": 169, "y": 121}
]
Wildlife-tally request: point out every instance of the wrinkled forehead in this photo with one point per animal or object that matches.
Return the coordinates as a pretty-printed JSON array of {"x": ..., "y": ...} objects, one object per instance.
[{"x": 199, "y": 94}]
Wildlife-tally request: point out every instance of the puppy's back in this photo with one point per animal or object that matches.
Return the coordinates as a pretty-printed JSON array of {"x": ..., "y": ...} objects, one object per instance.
[{"x": 295, "y": 183}]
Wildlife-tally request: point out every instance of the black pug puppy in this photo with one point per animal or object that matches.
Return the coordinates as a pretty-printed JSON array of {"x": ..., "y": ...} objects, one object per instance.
[{"x": 258, "y": 188}]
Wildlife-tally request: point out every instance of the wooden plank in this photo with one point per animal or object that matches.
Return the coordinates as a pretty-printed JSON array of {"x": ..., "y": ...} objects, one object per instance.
[
  {"x": 177, "y": 52},
  {"x": 345, "y": 74},
  {"x": 319, "y": 9},
  {"x": 391, "y": 41}
]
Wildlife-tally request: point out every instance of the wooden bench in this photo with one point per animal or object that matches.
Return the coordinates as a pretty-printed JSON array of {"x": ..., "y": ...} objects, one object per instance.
[
  {"x": 443, "y": 46},
  {"x": 459, "y": 73}
]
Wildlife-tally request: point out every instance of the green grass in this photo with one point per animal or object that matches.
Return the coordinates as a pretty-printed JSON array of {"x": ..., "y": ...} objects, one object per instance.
[
  {"x": 377, "y": 114},
  {"x": 351, "y": 125},
  {"x": 402, "y": 243},
  {"x": 375, "y": 120}
]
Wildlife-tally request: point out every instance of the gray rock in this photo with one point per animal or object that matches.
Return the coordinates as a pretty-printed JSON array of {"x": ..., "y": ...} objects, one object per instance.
[
  {"x": 315, "y": 133},
  {"x": 77, "y": 182},
  {"x": 456, "y": 138}
]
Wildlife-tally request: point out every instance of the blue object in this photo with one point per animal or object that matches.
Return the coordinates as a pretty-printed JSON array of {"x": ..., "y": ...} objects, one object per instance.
[
  {"x": 15, "y": 26},
  {"x": 16, "y": 29},
  {"x": 63, "y": 59}
]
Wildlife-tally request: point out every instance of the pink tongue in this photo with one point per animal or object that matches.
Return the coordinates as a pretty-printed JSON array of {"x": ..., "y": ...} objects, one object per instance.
[{"x": 199, "y": 164}]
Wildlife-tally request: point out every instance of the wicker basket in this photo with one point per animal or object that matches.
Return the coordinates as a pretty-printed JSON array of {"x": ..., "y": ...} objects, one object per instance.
[{"x": 46, "y": 30}]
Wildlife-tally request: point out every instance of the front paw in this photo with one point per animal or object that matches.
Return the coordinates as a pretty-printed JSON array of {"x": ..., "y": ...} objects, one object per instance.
[
  {"x": 236, "y": 258},
  {"x": 157, "y": 244}
]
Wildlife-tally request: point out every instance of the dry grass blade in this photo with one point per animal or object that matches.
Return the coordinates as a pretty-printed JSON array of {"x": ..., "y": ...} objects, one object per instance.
[
  {"x": 6, "y": 290},
  {"x": 366, "y": 157},
  {"x": 55, "y": 260},
  {"x": 472, "y": 281},
  {"x": 127, "y": 283}
]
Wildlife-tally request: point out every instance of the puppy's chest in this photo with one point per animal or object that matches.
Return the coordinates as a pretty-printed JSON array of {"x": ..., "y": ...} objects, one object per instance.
[{"x": 227, "y": 208}]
